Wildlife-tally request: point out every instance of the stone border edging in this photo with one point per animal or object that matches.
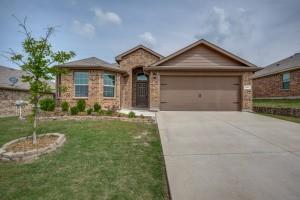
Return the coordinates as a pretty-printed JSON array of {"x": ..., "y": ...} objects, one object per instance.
[
  {"x": 91, "y": 117},
  {"x": 294, "y": 112},
  {"x": 24, "y": 156}
]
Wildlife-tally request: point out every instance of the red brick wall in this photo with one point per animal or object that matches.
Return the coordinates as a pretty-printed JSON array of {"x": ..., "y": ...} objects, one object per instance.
[{"x": 271, "y": 86}]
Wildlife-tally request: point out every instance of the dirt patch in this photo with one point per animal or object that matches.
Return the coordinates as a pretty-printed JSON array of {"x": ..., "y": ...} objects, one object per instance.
[{"x": 26, "y": 144}]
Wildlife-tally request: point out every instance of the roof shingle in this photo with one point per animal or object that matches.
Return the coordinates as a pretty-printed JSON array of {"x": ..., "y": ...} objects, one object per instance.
[
  {"x": 6, "y": 73},
  {"x": 289, "y": 63}
]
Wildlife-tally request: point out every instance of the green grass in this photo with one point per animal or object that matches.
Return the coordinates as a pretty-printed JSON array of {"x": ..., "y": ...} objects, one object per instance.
[
  {"x": 101, "y": 160},
  {"x": 287, "y": 118},
  {"x": 278, "y": 103}
]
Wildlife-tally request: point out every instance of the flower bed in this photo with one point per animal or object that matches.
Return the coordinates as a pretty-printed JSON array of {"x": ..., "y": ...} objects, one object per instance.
[
  {"x": 22, "y": 149},
  {"x": 97, "y": 117},
  {"x": 294, "y": 112}
]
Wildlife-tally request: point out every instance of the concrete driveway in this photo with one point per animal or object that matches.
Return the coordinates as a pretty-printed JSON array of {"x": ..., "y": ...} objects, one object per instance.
[{"x": 230, "y": 156}]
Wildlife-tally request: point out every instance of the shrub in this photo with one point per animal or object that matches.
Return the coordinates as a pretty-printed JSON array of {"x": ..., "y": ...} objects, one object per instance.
[
  {"x": 131, "y": 114},
  {"x": 81, "y": 105},
  {"x": 109, "y": 112},
  {"x": 101, "y": 112},
  {"x": 47, "y": 104},
  {"x": 74, "y": 110},
  {"x": 97, "y": 107},
  {"x": 89, "y": 111},
  {"x": 65, "y": 106},
  {"x": 142, "y": 116}
]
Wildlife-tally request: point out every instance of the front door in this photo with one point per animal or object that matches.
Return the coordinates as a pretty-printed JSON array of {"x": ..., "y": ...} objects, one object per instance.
[{"x": 142, "y": 93}]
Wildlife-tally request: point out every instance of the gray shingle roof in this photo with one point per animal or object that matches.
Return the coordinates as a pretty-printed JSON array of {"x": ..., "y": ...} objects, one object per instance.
[
  {"x": 89, "y": 62},
  {"x": 6, "y": 73},
  {"x": 287, "y": 64}
]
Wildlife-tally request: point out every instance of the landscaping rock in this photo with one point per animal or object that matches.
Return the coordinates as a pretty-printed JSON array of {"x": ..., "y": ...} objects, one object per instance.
[{"x": 6, "y": 153}]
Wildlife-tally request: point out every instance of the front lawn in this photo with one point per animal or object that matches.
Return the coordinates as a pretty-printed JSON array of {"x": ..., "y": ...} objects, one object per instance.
[
  {"x": 277, "y": 103},
  {"x": 100, "y": 160}
]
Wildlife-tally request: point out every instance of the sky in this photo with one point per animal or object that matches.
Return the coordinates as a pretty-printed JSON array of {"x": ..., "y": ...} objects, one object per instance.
[{"x": 260, "y": 31}]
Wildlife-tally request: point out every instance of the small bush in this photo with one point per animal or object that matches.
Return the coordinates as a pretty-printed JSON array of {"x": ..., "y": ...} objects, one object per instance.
[
  {"x": 65, "y": 106},
  {"x": 47, "y": 104},
  {"x": 89, "y": 111},
  {"x": 81, "y": 105},
  {"x": 109, "y": 112},
  {"x": 97, "y": 107},
  {"x": 101, "y": 112},
  {"x": 131, "y": 114},
  {"x": 142, "y": 116},
  {"x": 74, "y": 110}
]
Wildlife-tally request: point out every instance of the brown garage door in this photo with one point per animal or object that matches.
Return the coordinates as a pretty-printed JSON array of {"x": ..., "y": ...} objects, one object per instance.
[{"x": 200, "y": 93}]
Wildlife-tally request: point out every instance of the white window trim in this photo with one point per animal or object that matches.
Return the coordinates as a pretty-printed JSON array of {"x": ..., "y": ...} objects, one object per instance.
[
  {"x": 114, "y": 86},
  {"x": 80, "y": 84}
]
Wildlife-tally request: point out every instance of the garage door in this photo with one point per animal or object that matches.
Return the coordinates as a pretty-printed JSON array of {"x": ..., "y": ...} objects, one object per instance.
[{"x": 200, "y": 93}]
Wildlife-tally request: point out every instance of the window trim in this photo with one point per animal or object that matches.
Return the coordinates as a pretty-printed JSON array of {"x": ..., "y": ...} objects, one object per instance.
[
  {"x": 115, "y": 91},
  {"x": 74, "y": 93},
  {"x": 289, "y": 81}
]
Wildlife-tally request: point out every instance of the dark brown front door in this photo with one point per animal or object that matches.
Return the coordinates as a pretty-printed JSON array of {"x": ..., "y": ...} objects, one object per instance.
[
  {"x": 142, "y": 93},
  {"x": 200, "y": 93}
]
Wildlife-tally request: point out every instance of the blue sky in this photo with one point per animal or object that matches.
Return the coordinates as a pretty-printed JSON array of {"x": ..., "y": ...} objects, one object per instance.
[{"x": 261, "y": 31}]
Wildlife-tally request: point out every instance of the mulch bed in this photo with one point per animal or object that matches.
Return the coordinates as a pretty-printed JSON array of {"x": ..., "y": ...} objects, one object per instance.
[{"x": 27, "y": 145}]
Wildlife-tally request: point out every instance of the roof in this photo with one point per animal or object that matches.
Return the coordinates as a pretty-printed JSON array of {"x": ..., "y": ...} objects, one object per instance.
[
  {"x": 6, "y": 73},
  {"x": 92, "y": 62},
  {"x": 199, "y": 42},
  {"x": 287, "y": 64},
  {"x": 119, "y": 57}
]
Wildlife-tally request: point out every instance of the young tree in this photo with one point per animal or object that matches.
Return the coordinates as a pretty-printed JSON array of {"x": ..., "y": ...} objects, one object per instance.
[{"x": 37, "y": 60}]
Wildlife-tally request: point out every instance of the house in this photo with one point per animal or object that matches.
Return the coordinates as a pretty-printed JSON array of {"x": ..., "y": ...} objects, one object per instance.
[
  {"x": 12, "y": 89},
  {"x": 280, "y": 80},
  {"x": 201, "y": 76}
]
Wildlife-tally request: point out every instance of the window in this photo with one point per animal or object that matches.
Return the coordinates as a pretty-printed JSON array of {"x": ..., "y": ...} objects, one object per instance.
[
  {"x": 81, "y": 83},
  {"x": 286, "y": 81},
  {"x": 141, "y": 77},
  {"x": 109, "y": 85}
]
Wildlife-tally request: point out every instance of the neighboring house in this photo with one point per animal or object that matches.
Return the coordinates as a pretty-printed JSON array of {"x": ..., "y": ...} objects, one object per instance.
[
  {"x": 280, "y": 80},
  {"x": 13, "y": 89},
  {"x": 201, "y": 76}
]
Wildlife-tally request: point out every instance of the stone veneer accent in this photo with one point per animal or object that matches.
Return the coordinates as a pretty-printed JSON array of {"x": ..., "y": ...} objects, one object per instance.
[
  {"x": 247, "y": 94},
  {"x": 271, "y": 86},
  {"x": 26, "y": 156},
  {"x": 95, "y": 93},
  {"x": 154, "y": 90},
  {"x": 138, "y": 58}
]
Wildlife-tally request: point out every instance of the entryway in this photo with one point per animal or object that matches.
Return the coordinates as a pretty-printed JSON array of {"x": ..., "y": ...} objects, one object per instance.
[{"x": 140, "y": 85}]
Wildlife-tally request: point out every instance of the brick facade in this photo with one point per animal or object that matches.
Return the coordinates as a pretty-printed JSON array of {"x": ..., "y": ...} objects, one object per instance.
[
  {"x": 138, "y": 58},
  {"x": 271, "y": 86},
  {"x": 8, "y": 98},
  {"x": 95, "y": 93},
  {"x": 134, "y": 62}
]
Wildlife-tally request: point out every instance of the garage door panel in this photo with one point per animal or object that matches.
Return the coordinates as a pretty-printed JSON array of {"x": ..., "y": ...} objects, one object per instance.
[{"x": 200, "y": 93}]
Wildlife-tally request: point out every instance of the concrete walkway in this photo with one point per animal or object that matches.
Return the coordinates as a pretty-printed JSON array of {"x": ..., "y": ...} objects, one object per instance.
[{"x": 230, "y": 156}]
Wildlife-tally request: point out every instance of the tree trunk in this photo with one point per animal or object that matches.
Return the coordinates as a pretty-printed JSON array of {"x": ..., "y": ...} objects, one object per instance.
[{"x": 35, "y": 123}]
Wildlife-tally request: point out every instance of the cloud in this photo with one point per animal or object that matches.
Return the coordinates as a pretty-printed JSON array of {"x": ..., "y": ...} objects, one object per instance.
[
  {"x": 83, "y": 29},
  {"x": 148, "y": 39},
  {"x": 221, "y": 25},
  {"x": 106, "y": 17}
]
